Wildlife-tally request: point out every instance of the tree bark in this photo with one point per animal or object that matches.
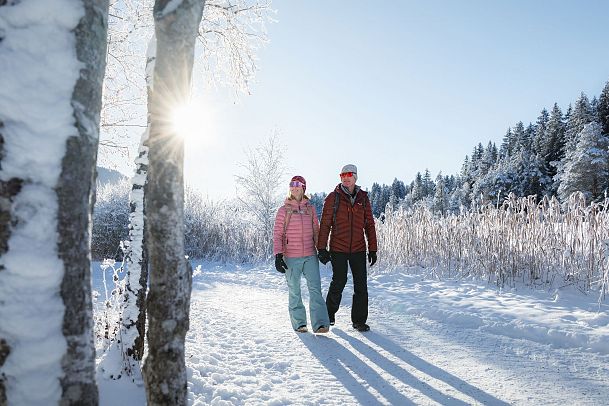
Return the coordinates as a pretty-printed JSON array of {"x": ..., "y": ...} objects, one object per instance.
[
  {"x": 170, "y": 280},
  {"x": 134, "y": 310},
  {"x": 46, "y": 200},
  {"x": 8, "y": 190},
  {"x": 76, "y": 196},
  {"x": 134, "y": 313}
]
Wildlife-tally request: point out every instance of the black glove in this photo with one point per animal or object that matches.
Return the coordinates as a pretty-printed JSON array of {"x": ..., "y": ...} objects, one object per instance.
[
  {"x": 372, "y": 257},
  {"x": 280, "y": 264},
  {"x": 324, "y": 256}
]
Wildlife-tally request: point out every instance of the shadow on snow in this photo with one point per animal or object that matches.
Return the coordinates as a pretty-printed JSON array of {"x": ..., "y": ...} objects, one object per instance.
[{"x": 345, "y": 365}]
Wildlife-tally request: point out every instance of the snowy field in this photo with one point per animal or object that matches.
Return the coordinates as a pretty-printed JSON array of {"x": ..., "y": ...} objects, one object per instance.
[{"x": 432, "y": 342}]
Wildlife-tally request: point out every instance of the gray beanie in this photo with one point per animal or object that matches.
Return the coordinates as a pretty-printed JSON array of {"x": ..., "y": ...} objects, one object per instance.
[{"x": 350, "y": 168}]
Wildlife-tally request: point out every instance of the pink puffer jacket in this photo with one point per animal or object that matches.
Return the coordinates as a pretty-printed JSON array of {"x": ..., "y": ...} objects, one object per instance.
[{"x": 300, "y": 235}]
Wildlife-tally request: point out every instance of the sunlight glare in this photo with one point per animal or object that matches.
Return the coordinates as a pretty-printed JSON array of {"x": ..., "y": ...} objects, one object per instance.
[{"x": 191, "y": 122}]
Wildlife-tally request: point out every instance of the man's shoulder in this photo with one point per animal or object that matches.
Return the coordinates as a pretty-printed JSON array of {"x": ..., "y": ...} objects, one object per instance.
[{"x": 331, "y": 196}]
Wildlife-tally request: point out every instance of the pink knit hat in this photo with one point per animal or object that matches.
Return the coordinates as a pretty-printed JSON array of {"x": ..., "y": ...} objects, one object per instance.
[{"x": 299, "y": 181}]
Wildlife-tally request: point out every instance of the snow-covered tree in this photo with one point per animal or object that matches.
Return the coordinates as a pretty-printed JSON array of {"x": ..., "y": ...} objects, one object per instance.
[
  {"x": 580, "y": 116},
  {"x": 603, "y": 109},
  {"x": 508, "y": 144},
  {"x": 375, "y": 199},
  {"x": 110, "y": 220},
  {"x": 230, "y": 34},
  {"x": 398, "y": 189},
  {"x": 133, "y": 319},
  {"x": 487, "y": 160},
  {"x": 229, "y": 37},
  {"x": 541, "y": 127},
  {"x": 176, "y": 25},
  {"x": 385, "y": 197},
  {"x": 586, "y": 168},
  {"x": 459, "y": 198},
  {"x": 260, "y": 184},
  {"x": 317, "y": 200},
  {"x": 52, "y": 59},
  {"x": 440, "y": 201},
  {"x": 552, "y": 149},
  {"x": 418, "y": 189},
  {"x": 519, "y": 138},
  {"x": 428, "y": 184}
]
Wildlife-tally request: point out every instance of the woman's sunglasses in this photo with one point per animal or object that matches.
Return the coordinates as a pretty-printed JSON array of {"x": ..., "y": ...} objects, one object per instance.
[
  {"x": 296, "y": 184},
  {"x": 346, "y": 174}
]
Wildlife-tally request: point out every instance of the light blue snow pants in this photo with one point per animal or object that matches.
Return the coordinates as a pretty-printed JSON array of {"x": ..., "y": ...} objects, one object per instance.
[{"x": 309, "y": 266}]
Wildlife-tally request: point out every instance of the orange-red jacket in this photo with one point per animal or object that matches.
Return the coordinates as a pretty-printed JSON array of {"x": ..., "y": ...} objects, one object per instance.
[{"x": 352, "y": 222}]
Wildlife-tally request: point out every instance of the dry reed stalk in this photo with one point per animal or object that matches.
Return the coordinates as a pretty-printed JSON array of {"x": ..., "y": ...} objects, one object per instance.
[{"x": 521, "y": 240}]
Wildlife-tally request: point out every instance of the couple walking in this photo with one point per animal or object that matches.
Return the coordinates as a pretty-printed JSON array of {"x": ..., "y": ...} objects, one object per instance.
[{"x": 300, "y": 241}]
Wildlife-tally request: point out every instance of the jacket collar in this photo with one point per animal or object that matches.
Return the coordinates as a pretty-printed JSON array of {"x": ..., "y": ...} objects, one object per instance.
[
  {"x": 340, "y": 188},
  {"x": 296, "y": 203}
]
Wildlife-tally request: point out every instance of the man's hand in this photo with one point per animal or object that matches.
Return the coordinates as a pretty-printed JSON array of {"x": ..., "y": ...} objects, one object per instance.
[
  {"x": 280, "y": 264},
  {"x": 324, "y": 256},
  {"x": 372, "y": 257}
]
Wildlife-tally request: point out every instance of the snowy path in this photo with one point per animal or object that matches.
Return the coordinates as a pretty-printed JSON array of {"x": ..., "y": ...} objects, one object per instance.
[{"x": 241, "y": 350}]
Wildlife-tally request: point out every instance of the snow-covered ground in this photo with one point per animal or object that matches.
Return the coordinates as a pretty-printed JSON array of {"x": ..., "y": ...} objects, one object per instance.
[{"x": 432, "y": 342}]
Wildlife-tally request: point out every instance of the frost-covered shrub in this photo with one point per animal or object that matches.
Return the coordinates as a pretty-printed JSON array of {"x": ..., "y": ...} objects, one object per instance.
[
  {"x": 110, "y": 220},
  {"x": 221, "y": 230},
  {"x": 107, "y": 303}
]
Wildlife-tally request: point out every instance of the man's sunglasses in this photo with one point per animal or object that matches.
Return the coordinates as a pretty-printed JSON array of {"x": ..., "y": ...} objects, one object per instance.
[
  {"x": 347, "y": 174},
  {"x": 296, "y": 184}
]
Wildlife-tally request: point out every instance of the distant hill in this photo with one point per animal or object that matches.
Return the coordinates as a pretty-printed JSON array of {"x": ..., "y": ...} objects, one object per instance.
[{"x": 109, "y": 176}]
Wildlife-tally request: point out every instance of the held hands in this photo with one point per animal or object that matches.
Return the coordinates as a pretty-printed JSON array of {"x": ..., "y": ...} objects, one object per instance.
[
  {"x": 280, "y": 264},
  {"x": 324, "y": 256},
  {"x": 372, "y": 257}
]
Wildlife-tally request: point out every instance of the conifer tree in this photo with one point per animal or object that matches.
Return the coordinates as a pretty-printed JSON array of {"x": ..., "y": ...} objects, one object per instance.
[
  {"x": 586, "y": 168},
  {"x": 488, "y": 159},
  {"x": 428, "y": 185},
  {"x": 578, "y": 117},
  {"x": 541, "y": 126},
  {"x": 440, "y": 202},
  {"x": 418, "y": 190},
  {"x": 385, "y": 195},
  {"x": 529, "y": 135},
  {"x": 398, "y": 189},
  {"x": 375, "y": 199},
  {"x": 603, "y": 109},
  {"x": 519, "y": 140},
  {"x": 507, "y": 144},
  {"x": 553, "y": 148}
]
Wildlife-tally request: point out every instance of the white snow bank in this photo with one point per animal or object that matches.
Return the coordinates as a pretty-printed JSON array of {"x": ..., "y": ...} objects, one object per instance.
[{"x": 563, "y": 318}]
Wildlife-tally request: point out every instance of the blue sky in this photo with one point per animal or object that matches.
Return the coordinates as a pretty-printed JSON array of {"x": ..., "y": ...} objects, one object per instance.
[{"x": 398, "y": 87}]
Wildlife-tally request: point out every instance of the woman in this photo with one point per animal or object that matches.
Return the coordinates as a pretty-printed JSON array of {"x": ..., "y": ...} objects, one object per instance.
[{"x": 294, "y": 241}]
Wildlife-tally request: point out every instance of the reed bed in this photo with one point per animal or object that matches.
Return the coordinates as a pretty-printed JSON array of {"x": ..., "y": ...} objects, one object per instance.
[{"x": 522, "y": 240}]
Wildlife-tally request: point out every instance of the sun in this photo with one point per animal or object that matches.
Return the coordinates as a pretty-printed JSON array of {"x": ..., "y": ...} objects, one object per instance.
[{"x": 188, "y": 121}]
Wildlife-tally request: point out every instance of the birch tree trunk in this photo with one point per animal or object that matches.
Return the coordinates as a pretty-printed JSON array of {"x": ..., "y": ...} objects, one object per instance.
[
  {"x": 76, "y": 196},
  {"x": 134, "y": 310},
  {"x": 48, "y": 157},
  {"x": 168, "y": 302}
]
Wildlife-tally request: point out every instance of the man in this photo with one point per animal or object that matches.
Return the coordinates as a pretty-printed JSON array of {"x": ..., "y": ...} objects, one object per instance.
[{"x": 348, "y": 215}]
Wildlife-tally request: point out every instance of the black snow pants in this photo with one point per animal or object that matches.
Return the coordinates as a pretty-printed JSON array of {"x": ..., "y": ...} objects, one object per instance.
[{"x": 357, "y": 262}]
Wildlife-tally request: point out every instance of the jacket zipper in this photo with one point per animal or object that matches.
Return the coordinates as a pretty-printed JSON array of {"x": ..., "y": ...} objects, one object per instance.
[
  {"x": 301, "y": 230},
  {"x": 350, "y": 211}
]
